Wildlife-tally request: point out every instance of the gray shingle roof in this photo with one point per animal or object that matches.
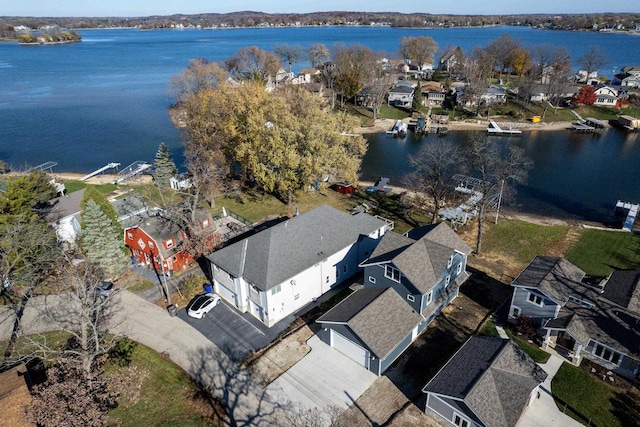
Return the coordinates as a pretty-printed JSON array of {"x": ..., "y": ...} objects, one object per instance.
[
  {"x": 423, "y": 260},
  {"x": 623, "y": 289},
  {"x": 284, "y": 250},
  {"x": 557, "y": 278},
  {"x": 380, "y": 317},
  {"x": 64, "y": 206},
  {"x": 605, "y": 323},
  {"x": 493, "y": 376}
]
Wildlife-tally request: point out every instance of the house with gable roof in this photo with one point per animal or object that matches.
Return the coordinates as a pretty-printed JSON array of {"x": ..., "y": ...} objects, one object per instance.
[
  {"x": 489, "y": 382},
  {"x": 373, "y": 326},
  {"x": 578, "y": 320},
  {"x": 276, "y": 272},
  {"x": 408, "y": 280},
  {"x": 629, "y": 76},
  {"x": 606, "y": 96}
]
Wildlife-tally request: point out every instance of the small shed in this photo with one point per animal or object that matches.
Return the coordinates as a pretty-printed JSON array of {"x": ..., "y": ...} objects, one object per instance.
[{"x": 345, "y": 188}]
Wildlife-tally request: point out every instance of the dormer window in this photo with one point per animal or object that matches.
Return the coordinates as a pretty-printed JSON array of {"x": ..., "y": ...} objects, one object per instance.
[
  {"x": 392, "y": 273},
  {"x": 204, "y": 224},
  {"x": 168, "y": 243}
]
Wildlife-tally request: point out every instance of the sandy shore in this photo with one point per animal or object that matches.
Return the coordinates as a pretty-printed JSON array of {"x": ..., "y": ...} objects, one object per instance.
[{"x": 383, "y": 125}]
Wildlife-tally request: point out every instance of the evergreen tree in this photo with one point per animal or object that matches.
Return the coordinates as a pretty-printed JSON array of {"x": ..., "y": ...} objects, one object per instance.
[
  {"x": 165, "y": 167},
  {"x": 92, "y": 193},
  {"x": 102, "y": 242},
  {"x": 416, "y": 104}
]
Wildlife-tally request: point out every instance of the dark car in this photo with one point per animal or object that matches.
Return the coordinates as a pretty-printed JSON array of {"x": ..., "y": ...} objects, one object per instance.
[{"x": 102, "y": 289}]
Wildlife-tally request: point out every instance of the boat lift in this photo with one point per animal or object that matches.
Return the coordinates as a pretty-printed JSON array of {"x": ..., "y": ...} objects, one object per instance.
[
  {"x": 44, "y": 166},
  {"x": 102, "y": 169},
  {"x": 134, "y": 169}
]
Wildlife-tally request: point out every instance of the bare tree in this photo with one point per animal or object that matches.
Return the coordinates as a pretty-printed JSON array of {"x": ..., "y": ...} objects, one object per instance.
[
  {"x": 317, "y": 54},
  {"x": 592, "y": 60},
  {"x": 290, "y": 54},
  {"x": 253, "y": 63},
  {"x": 498, "y": 169},
  {"x": 418, "y": 50},
  {"x": 433, "y": 169},
  {"x": 354, "y": 67}
]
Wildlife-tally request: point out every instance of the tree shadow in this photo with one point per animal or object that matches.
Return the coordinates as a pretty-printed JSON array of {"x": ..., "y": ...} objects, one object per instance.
[
  {"x": 233, "y": 390},
  {"x": 626, "y": 408},
  {"x": 485, "y": 290}
]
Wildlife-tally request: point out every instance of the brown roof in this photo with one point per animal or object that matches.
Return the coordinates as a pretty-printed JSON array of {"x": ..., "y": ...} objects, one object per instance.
[{"x": 14, "y": 396}]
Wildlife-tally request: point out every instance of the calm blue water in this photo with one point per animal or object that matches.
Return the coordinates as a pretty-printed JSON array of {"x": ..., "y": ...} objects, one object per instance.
[
  {"x": 105, "y": 100},
  {"x": 575, "y": 175}
]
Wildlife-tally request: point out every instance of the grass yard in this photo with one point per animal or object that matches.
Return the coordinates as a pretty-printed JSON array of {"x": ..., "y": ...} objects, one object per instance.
[
  {"x": 72, "y": 186},
  {"x": 157, "y": 392},
  {"x": 591, "y": 400},
  {"x": 598, "y": 252},
  {"x": 389, "y": 112},
  {"x": 488, "y": 329},
  {"x": 535, "y": 352}
]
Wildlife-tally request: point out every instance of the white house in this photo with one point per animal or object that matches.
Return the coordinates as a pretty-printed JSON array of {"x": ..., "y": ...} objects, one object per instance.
[
  {"x": 606, "y": 96},
  {"x": 276, "y": 272}
]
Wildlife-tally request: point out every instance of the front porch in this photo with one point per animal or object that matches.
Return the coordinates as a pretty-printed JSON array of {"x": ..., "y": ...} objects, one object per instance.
[{"x": 561, "y": 343}]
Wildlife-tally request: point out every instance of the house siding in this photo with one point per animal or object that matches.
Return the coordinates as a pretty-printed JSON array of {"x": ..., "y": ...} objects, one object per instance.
[
  {"x": 529, "y": 309},
  {"x": 403, "y": 288},
  {"x": 629, "y": 367},
  {"x": 445, "y": 407},
  {"x": 395, "y": 353}
]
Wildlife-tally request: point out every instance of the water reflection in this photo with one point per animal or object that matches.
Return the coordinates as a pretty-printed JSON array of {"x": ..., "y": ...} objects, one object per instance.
[{"x": 575, "y": 175}]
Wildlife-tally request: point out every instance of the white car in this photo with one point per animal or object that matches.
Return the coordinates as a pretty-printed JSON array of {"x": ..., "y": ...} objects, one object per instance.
[{"x": 201, "y": 305}]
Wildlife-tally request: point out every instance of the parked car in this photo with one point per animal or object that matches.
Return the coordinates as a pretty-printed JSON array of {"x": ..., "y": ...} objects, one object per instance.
[
  {"x": 202, "y": 304},
  {"x": 101, "y": 290}
]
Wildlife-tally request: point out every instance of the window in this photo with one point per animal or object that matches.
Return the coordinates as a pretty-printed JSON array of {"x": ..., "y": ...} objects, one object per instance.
[
  {"x": 142, "y": 244},
  {"x": 276, "y": 289},
  {"x": 411, "y": 298},
  {"x": 130, "y": 236},
  {"x": 450, "y": 263},
  {"x": 429, "y": 297},
  {"x": 345, "y": 268},
  {"x": 204, "y": 224},
  {"x": 606, "y": 353},
  {"x": 459, "y": 421},
  {"x": 174, "y": 259},
  {"x": 151, "y": 246},
  {"x": 372, "y": 279},
  {"x": 459, "y": 268},
  {"x": 392, "y": 273},
  {"x": 580, "y": 302},
  {"x": 535, "y": 299},
  {"x": 327, "y": 280},
  {"x": 447, "y": 281},
  {"x": 169, "y": 243},
  {"x": 515, "y": 311}
]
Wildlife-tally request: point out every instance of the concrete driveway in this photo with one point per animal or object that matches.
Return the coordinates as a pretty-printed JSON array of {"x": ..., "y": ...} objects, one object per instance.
[{"x": 324, "y": 379}]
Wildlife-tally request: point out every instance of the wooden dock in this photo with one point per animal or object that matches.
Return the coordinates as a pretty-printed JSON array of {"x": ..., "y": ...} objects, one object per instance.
[{"x": 494, "y": 129}]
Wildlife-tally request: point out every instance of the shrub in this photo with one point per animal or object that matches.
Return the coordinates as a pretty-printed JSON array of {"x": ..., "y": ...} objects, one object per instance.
[
  {"x": 121, "y": 353},
  {"x": 526, "y": 326}
]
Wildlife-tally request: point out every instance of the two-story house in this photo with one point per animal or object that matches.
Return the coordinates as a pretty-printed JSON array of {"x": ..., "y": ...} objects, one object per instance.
[
  {"x": 600, "y": 323},
  {"x": 160, "y": 242},
  {"x": 417, "y": 275},
  {"x": 278, "y": 271},
  {"x": 401, "y": 95},
  {"x": 629, "y": 76},
  {"x": 606, "y": 96}
]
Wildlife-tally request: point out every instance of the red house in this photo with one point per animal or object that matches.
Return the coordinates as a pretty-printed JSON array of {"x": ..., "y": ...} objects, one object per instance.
[{"x": 161, "y": 242}]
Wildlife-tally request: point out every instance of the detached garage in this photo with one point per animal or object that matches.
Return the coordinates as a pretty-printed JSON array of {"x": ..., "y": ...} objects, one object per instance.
[{"x": 373, "y": 326}]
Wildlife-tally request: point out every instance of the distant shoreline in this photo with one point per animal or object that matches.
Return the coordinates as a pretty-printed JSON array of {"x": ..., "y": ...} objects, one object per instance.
[{"x": 383, "y": 125}]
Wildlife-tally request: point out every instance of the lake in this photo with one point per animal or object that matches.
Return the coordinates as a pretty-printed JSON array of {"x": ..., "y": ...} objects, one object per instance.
[{"x": 105, "y": 100}]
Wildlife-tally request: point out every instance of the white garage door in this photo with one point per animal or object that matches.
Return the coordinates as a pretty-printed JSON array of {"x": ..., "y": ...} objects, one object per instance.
[
  {"x": 350, "y": 349},
  {"x": 226, "y": 293}
]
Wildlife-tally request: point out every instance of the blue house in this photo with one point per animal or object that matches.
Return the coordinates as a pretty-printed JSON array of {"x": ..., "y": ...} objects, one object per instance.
[{"x": 415, "y": 276}]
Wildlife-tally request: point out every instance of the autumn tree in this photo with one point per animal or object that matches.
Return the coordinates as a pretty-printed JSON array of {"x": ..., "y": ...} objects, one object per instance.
[
  {"x": 501, "y": 51},
  {"x": 199, "y": 75},
  {"x": 253, "y": 63},
  {"x": 317, "y": 54},
  {"x": 289, "y": 54},
  {"x": 102, "y": 243},
  {"x": 354, "y": 68},
  {"x": 418, "y": 50},
  {"x": 498, "y": 169},
  {"x": 165, "y": 168},
  {"x": 432, "y": 173},
  {"x": 586, "y": 95}
]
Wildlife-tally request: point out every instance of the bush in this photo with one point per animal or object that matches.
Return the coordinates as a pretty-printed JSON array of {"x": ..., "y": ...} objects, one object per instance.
[{"x": 526, "y": 326}]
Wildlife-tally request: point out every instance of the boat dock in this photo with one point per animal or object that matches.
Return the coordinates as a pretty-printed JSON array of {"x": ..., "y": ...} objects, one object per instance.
[
  {"x": 631, "y": 210},
  {"x": 586, "y": 125},
  {"x": 134, "y": 169},
  {"x": 102, "y": 169},
  {"x": 494, "y": 129},
  {"x": 400, "y": 128}
]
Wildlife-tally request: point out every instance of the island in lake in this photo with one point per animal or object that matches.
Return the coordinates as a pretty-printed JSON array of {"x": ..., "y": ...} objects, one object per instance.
[{"x": 54, "y": 37}]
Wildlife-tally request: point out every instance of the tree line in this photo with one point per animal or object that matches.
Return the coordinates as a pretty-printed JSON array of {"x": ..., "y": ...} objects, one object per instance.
[{"x": 590, "y": 22}]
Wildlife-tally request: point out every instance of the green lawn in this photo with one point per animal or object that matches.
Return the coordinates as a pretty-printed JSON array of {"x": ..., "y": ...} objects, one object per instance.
[
  {"x": 166, "y": 395},
  {"x": 73, "y": 186},
  {"x": 389, "y": 112},
  {"x": 588, "y": 399},
  {"x": 488, "y": 329},
  {"x": 521, "y": 240},
  {"x": 598, "y": 252},
  {"x": 535, "y": 352}
]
